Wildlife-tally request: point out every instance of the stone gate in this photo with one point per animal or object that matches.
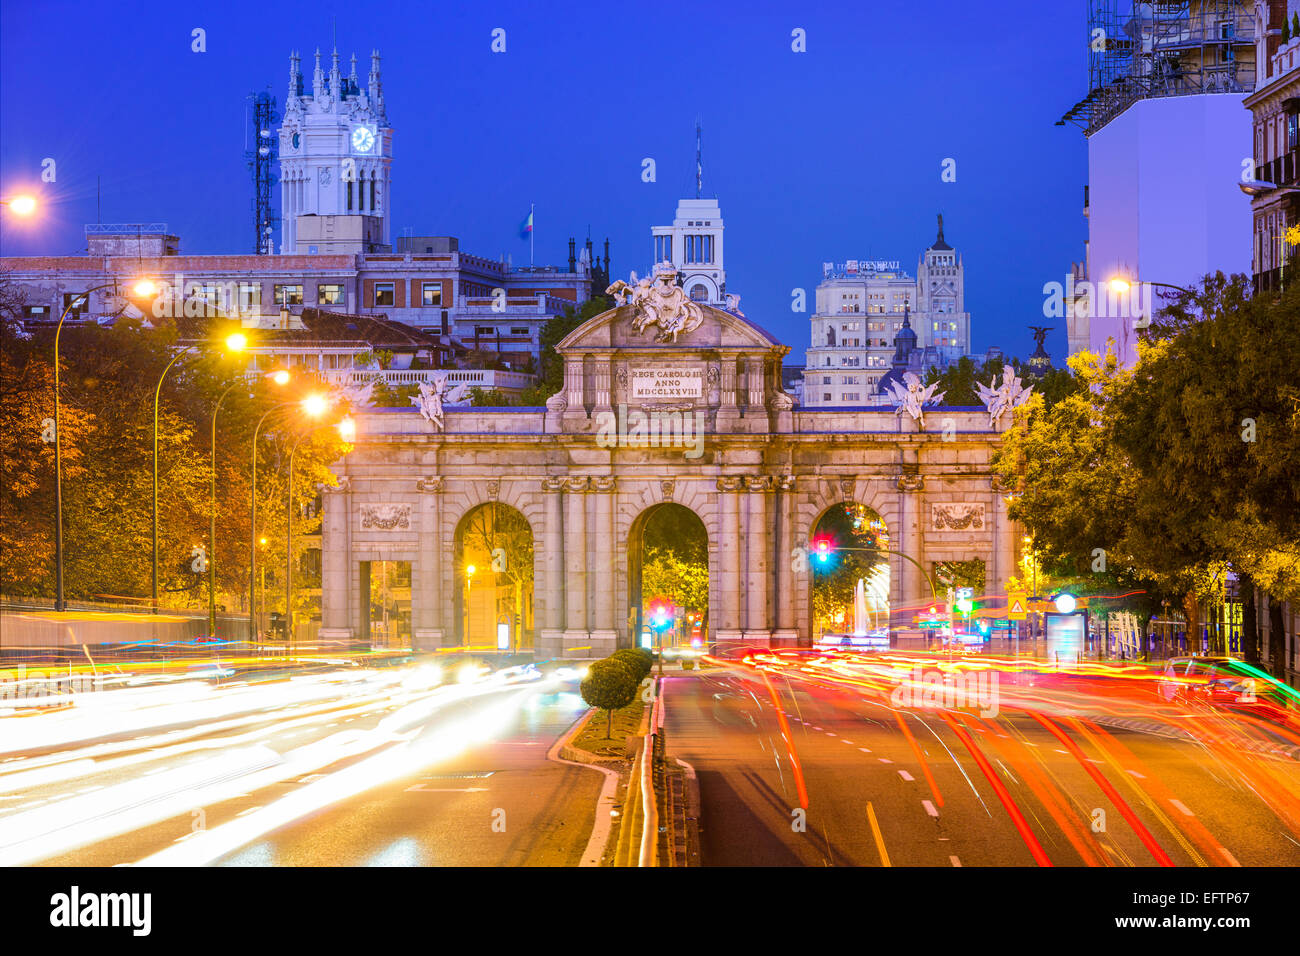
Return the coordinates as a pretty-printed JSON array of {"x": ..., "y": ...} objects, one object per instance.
[{"x": 663, "y": 401}]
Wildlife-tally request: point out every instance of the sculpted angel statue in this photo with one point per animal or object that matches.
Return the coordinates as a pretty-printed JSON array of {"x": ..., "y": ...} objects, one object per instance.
[
  {"x": 911, "y": 396},
  {"x": 357, "y": 396},
  {"x": 662, "y": 303},
  {"x": 433, "y": 396},
  {"x": 1002, "y": 398}
]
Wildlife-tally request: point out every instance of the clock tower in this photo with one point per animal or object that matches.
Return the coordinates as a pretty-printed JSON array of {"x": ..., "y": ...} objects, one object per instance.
[{"x": 336, "y": 155}]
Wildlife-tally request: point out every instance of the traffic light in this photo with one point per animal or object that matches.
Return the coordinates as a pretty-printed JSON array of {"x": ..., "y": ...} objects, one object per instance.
[
  {"x": 823, "y": 548},
  {"x": 661, "y": 617}
]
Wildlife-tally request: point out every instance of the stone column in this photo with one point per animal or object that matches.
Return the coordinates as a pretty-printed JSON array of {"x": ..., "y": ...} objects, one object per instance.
[
  {"x": 786, "y": 633},
  {"x": 550, "y": 634},
  {"x": 758, "y": 549},
  {"x": 427, "y": 610},
  {"x": 730, "y": 557},
  {"x": 754, "y": 376},
  {"x": 338, "y": 567},
  {"x": 575, "y": 566},
  {"x": 914, "y": 589},
  {"x": 727, "y": 413},
  {"x": 1004, "y": 540},
  {"x": 604, "y": 637}
]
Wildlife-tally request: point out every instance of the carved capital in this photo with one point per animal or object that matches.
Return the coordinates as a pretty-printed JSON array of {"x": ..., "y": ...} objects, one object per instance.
[
  {"x": 433, "y": 484},
  {"x": 666, "y": 489},
  {"x": 344, "y": 486},
  {"x": 552, "y": 483},
  {"x": 728, "y": 483},
  {"x": 998, "y": 484},
  {"x": 576, "y": 485},
  {"x": 604, "y": 484},
  {"x": 757, "y": 482},
  {"x": 784, "y": 482},
  {"x": 911, "y": 483}
]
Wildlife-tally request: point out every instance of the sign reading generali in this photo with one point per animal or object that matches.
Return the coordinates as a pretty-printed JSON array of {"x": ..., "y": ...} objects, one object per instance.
[{"x": 651, "y": 383}]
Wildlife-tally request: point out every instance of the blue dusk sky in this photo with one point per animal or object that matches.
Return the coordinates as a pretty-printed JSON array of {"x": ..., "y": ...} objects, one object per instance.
[{"x": 831, "y": 154}]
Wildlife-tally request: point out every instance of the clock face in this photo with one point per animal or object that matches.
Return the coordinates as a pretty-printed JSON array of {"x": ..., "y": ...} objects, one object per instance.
[{"x": 363, "y": 140}]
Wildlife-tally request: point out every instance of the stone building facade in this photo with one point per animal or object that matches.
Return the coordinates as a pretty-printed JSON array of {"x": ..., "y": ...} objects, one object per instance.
[{"x": 728, "y": 444}]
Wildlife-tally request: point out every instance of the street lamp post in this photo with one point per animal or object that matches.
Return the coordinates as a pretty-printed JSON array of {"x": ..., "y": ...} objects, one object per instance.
[
  {"x": 212, "y": 516},
  {"x": 280, "y": 378},
  {"x": 314, "y": 406},
  {"x": 143, "y": 287}
]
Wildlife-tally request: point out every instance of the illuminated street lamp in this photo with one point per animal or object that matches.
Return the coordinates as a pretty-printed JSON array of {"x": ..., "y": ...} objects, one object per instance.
[
  {"x": 20, "y": 205},
  {"x": 281, "y": 378},
  {"x": 235, "y": 343},
  {"x": 143, "y": 287},
  {"x": 314, "y": 406}
]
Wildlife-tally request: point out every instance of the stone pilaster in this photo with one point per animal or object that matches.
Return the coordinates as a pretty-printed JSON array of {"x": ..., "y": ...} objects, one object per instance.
[
  {"x": 339, "y": 568},
  {"x": 427, "y": 606},
  {"x": 758, "y": 549},
  {"x": 914, "y": 589},
  {"x": 604, "y": 637},
  {"x": 576, "y": 633},
  {"x": 786, "y": 633},
  {"x": 550, "y": 635},
  {"x": 730, "y": 560}
]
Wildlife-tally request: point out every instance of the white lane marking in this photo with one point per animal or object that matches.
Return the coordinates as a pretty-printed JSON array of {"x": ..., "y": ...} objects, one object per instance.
[
  {"x": 1182, "y": 807},
  {"x": 864, "y": 750},
  {"x": 1136, "y": 774},
  {"x": 929, "y": 808},
  {"x": 847, "y": 741},
  {"x": 884, "y": 760},
  {"x": 955, "y": 861},
  {"x": 905, "y": 775},
  {"x": 1232, "y": 860}
]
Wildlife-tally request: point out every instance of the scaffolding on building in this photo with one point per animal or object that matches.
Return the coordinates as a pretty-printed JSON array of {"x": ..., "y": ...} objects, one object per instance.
[
  {"x": 261, "y": 162},
  {"x": 1145, "y": 50}
]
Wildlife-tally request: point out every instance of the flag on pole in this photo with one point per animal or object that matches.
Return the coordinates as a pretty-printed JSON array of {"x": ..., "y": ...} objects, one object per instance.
[{"x": 526, "y": 227}]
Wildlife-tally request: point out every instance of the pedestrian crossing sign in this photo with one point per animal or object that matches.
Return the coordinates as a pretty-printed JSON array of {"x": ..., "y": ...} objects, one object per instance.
[{"x": 1017, "y": 606}]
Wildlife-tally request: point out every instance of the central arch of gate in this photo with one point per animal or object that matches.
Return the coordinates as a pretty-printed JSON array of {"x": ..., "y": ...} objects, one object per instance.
[{"x": 689, "y": 411}]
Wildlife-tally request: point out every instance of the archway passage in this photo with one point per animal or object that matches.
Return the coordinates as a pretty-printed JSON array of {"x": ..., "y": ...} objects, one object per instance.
[
  {"x": 668, "y": 578},
  {"x": 493, "y": 591},
  {"x": 850, "y": 578},
  {"x": 388, "y": 584}
]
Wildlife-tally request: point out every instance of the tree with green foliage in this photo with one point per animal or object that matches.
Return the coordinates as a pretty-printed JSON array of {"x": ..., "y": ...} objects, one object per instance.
[
  {"x": 1212, "y": 422},
  {"x": 640, "y": 660},
  {"x": 855, "y": 553},
  {"x": 610, "y": 684}
]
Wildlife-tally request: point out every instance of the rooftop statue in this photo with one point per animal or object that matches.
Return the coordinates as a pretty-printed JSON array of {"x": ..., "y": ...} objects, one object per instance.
[
  {"x": 911, "y": 396},
  {"x": 432, "y": 397},
  {"x": 662, "y": 303},
  {"x": 1000, "y": 399}
]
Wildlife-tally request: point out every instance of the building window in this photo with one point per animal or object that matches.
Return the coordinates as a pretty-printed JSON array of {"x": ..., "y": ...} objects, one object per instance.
[
  {"x": 826, "y": 396},
  {"x": 1292, "y": 130},
  {"x": 485, "y": 330},
  {"x": 288, "y": 295},
  {"x": 431, "y": 293},
  {"x": 520, "y": 331},
  {"x": 75, "y": 304},
  {"x": 384, "y": 293},
  {"x": 826, "y": 379},
  {"x": 663, "y": 248},
  {"x": 849, "y": 397},
  {"x": 250, "y": 296},
  {"x": 699, "y": 293},
  {"x": 36, "y": 312},
  {"x": 329, "y": 294}
]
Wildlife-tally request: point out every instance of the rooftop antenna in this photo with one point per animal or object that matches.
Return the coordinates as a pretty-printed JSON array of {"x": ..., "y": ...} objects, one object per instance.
[{"x": 699, "y": 162}]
